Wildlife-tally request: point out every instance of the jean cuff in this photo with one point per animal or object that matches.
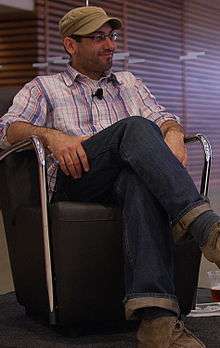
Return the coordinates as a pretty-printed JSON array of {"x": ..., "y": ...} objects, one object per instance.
[
  {"x": 181, "y": 227},
  {"x": 132, "y": 304}
]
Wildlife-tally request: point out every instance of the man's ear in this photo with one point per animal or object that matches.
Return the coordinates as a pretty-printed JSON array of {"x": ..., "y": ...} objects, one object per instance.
[{"x": 70, "y": 45}]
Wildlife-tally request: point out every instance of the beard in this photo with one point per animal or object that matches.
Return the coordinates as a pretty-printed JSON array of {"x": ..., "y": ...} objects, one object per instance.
[{"x": 98, "y": 64}]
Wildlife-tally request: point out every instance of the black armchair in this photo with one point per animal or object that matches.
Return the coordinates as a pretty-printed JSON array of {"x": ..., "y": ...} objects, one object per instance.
[{"x": 66, "y": 257}]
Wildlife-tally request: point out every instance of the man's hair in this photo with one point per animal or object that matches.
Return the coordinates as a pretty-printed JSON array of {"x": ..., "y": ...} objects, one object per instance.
[{"x": 76, "y": 37}]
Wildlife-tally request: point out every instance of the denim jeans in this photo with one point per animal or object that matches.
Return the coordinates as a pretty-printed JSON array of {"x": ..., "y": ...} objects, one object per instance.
[{"x": 130, "y": 165}]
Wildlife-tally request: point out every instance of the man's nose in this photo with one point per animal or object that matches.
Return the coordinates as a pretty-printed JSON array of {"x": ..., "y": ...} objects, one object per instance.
[{"x": 110, "y": 44}]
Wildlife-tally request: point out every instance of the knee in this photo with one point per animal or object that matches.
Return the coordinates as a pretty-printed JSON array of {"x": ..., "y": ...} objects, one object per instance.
[{"x": 141, "y": 123}]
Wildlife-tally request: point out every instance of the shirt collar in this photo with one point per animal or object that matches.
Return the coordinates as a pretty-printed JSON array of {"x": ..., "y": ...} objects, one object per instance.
[{"x": 70, "y": 75}]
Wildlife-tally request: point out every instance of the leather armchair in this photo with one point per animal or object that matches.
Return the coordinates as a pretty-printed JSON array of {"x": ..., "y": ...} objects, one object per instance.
[{"x": 66, "y": 257}]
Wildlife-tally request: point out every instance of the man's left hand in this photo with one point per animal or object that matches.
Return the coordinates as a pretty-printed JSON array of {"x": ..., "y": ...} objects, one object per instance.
[{"x": 175, "y": 140}]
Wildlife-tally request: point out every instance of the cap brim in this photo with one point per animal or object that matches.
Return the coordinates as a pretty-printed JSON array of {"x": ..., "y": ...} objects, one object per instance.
[{"x": 98, "y": 23}]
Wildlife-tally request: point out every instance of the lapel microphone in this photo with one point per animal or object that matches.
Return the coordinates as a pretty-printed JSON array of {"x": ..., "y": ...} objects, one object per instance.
[{"x": 98, "y": 94}]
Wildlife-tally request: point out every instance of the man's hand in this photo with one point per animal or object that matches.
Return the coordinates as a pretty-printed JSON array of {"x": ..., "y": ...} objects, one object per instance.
[
  {"x": 175, "y": 140},
  {"x": 68, "y": 150}
]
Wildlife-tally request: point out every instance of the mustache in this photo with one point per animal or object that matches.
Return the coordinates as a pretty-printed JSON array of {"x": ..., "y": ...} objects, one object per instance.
[{"x": 107, "y": 50}]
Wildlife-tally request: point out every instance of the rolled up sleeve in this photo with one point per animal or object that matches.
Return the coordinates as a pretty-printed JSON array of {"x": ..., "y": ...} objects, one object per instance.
[
  {"x": 29, "y": 105},
  {"x": 150, "y": 108}
]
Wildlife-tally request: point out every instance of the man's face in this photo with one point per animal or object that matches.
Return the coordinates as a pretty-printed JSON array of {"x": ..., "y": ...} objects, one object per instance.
[{"x": 94, "y": 57}]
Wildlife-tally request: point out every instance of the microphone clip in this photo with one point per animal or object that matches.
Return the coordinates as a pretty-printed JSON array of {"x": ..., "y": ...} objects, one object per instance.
[{"x": 98, "y": 93}]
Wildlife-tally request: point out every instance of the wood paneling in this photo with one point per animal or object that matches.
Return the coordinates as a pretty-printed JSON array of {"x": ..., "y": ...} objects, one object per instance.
[{"x": 18, "y": 48}]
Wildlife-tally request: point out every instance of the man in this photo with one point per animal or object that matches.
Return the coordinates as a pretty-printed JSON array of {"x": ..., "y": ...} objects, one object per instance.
[{"x": 99, "y": 153}]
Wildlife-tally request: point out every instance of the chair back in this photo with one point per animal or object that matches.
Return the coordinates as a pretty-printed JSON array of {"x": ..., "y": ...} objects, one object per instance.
[
  {"x": 19, "y": 183},
  {"x": 19, "y": 189}
]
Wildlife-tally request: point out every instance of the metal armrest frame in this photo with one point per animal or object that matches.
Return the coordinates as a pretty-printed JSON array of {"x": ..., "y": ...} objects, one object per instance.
[
  {"x": 207, "y": 150},
  {"x": 35, "y": 144}
]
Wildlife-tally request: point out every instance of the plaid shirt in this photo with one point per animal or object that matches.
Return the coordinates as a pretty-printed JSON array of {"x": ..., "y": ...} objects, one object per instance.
[{"x": 66, "y": 101}]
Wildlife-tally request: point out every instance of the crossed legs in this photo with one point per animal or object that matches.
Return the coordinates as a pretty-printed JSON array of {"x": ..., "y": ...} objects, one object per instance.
[{"x": 132, "y": 166}]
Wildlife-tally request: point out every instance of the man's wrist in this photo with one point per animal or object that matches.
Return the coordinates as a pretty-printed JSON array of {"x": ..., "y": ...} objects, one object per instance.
[
  {"x": 172, "y": 127},
  {"x": 174, "y": 130},
  {"x": 47, "y": 134}
]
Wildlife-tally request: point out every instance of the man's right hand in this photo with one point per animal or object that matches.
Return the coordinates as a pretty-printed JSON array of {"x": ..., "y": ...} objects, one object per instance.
[{"x": 69, "y": 152}]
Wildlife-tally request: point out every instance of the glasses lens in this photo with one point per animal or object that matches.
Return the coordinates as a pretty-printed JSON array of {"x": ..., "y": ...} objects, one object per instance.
[
  {"x": 114, "y": 36},
  {"x": 99, "y": 37}
]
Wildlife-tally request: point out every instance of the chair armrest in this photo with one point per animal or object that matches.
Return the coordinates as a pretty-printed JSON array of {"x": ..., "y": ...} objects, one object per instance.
[
  {"x": 207, "y": 150},
  {"x": 30, "y": 143},
  {"x": 35, "y": 144}
]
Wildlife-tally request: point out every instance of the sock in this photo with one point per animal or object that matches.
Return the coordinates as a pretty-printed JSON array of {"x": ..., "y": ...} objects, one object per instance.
[{"x": 200, "y": 227}]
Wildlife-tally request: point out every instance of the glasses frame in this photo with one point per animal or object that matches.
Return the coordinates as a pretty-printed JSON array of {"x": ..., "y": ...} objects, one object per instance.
[{"x": 99, "y": 37}]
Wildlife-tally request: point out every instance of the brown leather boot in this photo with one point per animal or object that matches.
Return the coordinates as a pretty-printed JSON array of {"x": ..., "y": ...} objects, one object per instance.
[
  {"x": 165, "y": 332},
  {"x": 211, "y": 249},
  {"x": 183, "y": 338}
]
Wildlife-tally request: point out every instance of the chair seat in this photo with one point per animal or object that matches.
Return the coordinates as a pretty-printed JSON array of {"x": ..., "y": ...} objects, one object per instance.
[
  {"x": 77, "y": 211},
  {"x": 87, "y": 259}
]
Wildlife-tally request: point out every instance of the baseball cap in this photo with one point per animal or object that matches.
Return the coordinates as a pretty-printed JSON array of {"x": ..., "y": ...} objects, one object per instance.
[{"x": 85, "y": 20}]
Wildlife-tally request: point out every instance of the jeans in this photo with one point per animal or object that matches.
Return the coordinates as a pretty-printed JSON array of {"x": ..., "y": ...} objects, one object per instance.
[{"x": 131, "y": 166}]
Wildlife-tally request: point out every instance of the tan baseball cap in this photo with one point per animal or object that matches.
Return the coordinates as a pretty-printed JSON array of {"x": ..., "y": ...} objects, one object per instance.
[{"x": 85, "y": 20}]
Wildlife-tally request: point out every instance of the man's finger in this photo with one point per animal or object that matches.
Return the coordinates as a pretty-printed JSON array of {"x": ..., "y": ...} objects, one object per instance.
[
  {"x": 70, "y": 165},
  {"x": 83, "y": 157},
  {"x": 185, "y": 160},
  {"x": 63, "y": 166},
  {"x": 77, "y": 164}
]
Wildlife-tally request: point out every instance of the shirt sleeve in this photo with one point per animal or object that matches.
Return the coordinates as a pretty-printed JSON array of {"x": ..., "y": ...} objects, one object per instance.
[
  {"x": 149, "y": 107},
  {"x": 29, "y": 105}
]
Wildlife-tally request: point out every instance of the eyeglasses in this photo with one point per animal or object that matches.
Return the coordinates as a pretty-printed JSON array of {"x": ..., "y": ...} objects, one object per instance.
[{"x": 100, "y": 37}]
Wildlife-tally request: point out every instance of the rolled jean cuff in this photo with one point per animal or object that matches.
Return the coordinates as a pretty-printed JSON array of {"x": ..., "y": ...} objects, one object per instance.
[
  {"x": 181, "y": 227},
  {"x": 157, "y": 300}
]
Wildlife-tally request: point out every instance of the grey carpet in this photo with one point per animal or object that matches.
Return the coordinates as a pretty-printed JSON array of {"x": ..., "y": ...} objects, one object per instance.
[{"x": 19, "y": 331}]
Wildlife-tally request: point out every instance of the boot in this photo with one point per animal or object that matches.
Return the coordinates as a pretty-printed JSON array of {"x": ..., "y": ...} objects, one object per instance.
[
  {"x": 183, "y": 338},
  {"x": 165, "y": 332}
]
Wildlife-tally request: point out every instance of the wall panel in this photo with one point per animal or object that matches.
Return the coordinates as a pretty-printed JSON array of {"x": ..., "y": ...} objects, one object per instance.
[
  {"x": 202, "y": 77},
  {"x": 154, "y": 30},
  {"x": 18, "y": 35}
]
